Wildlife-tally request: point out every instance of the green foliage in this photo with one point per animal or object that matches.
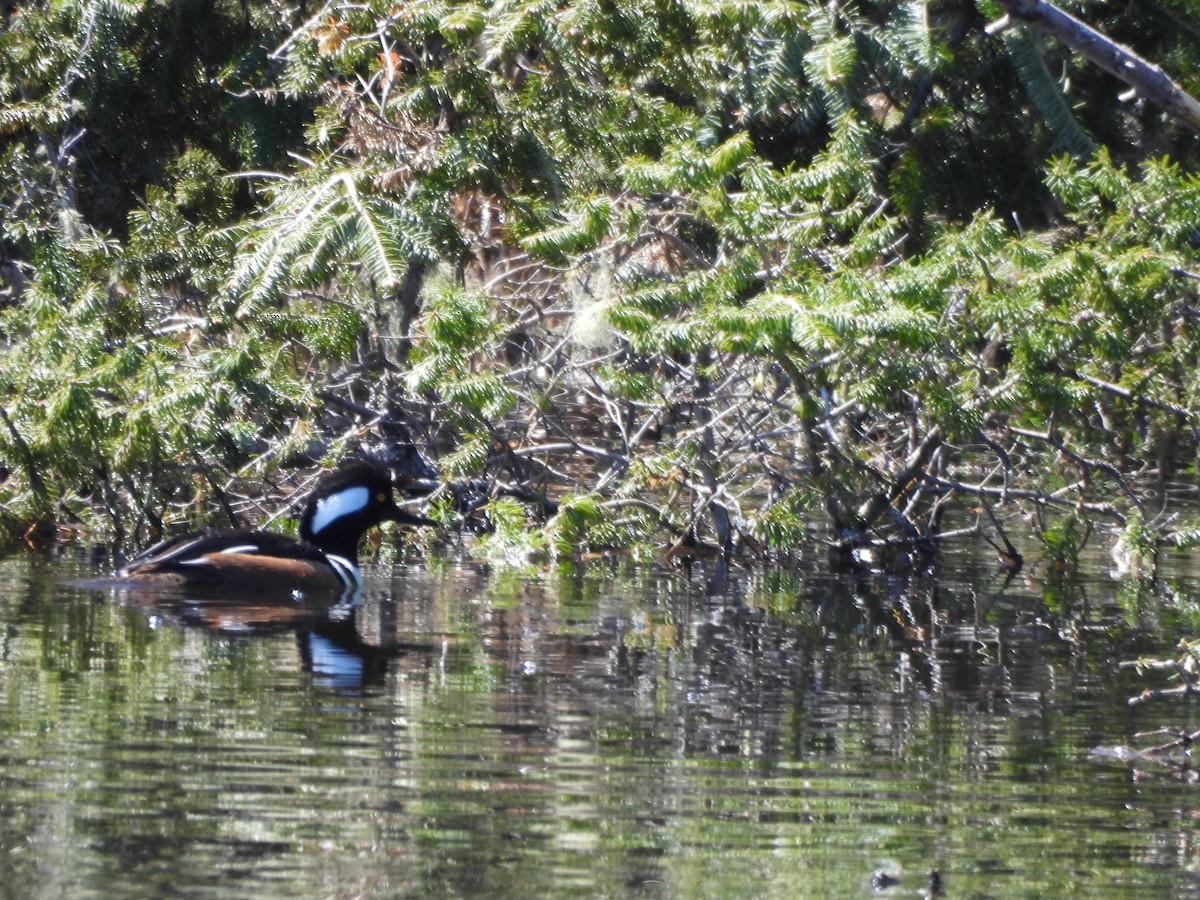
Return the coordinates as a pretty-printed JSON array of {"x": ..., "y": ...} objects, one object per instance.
[
  {"x": 828, "y": 262},
  {"x": 456, "y": 356},
  {"x": 568, "y": 530},
  {"x": 318, "y": 224},
  {"x": 1064, "y": 540},
  {"x": 1046, "y": 95},
  {"x": 783, "y": 527},
  {"x": 176, "y": 239},
  {"x": 510, "y": 541}
]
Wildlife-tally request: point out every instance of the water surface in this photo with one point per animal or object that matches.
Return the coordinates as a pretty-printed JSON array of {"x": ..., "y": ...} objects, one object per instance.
[{"x": 597, "y": 732}]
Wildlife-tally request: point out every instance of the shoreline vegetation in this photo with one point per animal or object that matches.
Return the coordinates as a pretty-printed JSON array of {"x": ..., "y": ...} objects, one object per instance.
[{"x": 672, "y": 279}]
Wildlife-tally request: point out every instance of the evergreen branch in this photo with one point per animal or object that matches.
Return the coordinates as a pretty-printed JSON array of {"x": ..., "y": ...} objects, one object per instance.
[
  {"x": 32, "y": 475},
  {"x": 1045, "y": 93},
  {"x": 378, "y": 245}
]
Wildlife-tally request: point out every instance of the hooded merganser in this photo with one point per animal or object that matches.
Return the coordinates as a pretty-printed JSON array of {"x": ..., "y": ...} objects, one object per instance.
[{"x": 344, "y": 505}]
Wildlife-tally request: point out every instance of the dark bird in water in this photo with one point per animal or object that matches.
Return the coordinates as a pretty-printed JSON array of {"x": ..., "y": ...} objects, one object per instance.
[{"x": 345, "y": 503}]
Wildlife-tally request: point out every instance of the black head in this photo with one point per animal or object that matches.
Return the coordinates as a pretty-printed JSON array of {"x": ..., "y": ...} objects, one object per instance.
[{"x": 349, "y": 500}]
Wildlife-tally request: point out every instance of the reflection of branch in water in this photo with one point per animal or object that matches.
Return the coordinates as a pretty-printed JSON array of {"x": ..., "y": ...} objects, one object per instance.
[
  {"x": 1183, "y": 740},
  {"x": 1147, "y": 695},
  {"x": 1175, "y": 766},
  {"x": 1183, "y": 668}
]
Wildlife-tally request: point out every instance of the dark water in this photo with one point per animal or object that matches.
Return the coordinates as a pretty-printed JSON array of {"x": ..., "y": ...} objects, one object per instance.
[{"x": 599, "y": 732}]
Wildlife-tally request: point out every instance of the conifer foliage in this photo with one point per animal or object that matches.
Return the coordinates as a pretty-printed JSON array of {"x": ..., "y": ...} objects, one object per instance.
[{"x": 709, "y": 277}]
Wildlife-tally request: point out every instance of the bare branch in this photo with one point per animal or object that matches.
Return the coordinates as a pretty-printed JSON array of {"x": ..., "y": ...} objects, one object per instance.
[{"x": 1147, "y": 79}]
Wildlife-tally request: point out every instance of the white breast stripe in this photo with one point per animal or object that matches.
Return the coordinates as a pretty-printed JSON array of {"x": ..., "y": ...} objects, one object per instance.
[
  {"x": 346, "y": 570},
  {"x": 198, "y": 561},
  {"x": 343, "y": 503}
]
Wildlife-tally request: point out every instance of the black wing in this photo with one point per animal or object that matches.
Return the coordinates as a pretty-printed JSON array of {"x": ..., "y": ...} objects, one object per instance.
[{"x": 188, "y": 549}]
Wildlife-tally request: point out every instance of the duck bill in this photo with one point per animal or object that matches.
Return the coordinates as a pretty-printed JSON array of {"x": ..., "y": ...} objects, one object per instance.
[{"x": 406, "y": 518}]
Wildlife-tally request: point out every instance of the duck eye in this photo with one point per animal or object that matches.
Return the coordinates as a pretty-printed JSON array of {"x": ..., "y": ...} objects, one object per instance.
[{"x": 381, "y": 497}]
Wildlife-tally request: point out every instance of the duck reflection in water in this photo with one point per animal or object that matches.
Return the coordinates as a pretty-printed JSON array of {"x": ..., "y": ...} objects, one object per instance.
[{"x": 346, "y": 642}]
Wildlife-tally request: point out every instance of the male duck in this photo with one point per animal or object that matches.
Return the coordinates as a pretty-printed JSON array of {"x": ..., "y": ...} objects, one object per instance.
[{"x": 345, "y": 503}]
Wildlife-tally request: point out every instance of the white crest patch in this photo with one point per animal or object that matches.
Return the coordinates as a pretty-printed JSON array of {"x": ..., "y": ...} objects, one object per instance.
[{"x": 344, "y": 503}]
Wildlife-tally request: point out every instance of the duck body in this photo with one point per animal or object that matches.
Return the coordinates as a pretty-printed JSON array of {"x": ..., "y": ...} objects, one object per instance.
[
  {"x": 345, "y": 504},
  {"x": 254, "y": 560}
]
